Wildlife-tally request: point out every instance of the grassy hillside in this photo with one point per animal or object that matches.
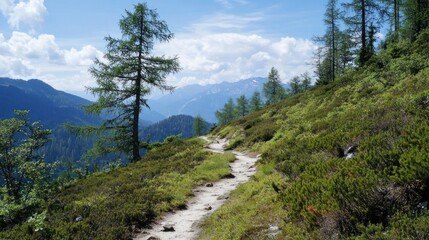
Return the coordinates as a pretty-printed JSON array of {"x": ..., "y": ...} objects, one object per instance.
[
  {"x": 348, "y": 160},
  {"x": 345, "y": 160},
  {"x": 112, "y": 205}
]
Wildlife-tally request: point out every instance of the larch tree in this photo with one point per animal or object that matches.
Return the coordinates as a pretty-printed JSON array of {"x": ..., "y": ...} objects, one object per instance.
[
  {"x": 242, "y": 106},
  {"x": 227, "y": 113},
  {"x": 273, "y": 89},
  {"x": 295, "y": 85},
  {"x": 330, "y": 41},
  {"x": 255, "y": 102},
  {"x": 417, "y": 17},
  {"x": 199, "y": 126},
  {"x": 126, "y": 75},
  {"x": 364, "y": 13}
]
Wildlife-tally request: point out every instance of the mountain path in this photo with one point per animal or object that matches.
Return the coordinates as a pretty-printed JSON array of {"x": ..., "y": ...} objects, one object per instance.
[{"x": 207, "y": 199}]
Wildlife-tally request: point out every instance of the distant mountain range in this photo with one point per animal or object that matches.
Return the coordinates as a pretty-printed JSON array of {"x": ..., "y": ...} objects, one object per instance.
[
  {"x": 50, "y": 106},
  {"x": 204, "y": 100}
]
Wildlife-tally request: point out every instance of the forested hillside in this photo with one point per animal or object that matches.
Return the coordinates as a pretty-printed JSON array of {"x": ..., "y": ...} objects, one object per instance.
[
  {"x": 182, "y": 125},
  {"x": 53, "y": 109}
]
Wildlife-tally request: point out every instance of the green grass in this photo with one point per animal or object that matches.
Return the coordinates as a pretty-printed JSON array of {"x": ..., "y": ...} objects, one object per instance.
[
  {"x": 252, "y": 208},
  {"x": 384, "y": 110},
  {"x": 110, "y": 205}
]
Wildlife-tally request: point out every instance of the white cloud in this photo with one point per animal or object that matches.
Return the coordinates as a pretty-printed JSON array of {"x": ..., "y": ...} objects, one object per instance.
[
  {"x": 29, "y": 12},
  {"x": 222, "y": 22},
  {"x": 25, "y": 56},
  {"x": 230, "y": 57},
  {"x": 15, "y": 67},
  {"x": 83, "y": 57}
]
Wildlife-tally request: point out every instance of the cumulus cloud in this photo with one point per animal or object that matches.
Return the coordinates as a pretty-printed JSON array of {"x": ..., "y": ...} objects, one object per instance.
[
  {"x": 25, "y": 56},
  {"x": 230, "y": 57},
  {"x": 83, "y": 57},
  {"x": 29, "y": 12}
]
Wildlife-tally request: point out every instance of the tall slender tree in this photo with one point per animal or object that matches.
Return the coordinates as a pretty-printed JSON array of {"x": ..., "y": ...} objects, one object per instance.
[
  {"x": 255, "y": 103},
  {"x": 199, "y": 126},
  {"x": 364, "y": 13},
  {"x": 417, "y": 17},
  {"x": 273, "y": 89},
  {"x": 242, "y": 106},
  {"x": 126, "y": 75},
  {"x": 227, "y": 113},
  {"x": 333, "y": 46}
]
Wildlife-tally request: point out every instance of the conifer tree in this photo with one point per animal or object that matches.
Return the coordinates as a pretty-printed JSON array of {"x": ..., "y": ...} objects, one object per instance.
[
  {"x": 330, "y": 44},
  {"x": 273, "y": 90},
  {"x": 364, "y": 13},
  {"x": 242, "y": 106},
  {"x": 417, "y": 17},
  {"x": 227, "y": 113},
  {"x": 255, "y": 102},
  {"x": 199, "y": 126},
  {"x": 126, "y": 76},
  {"x": 295, "y": 85}
]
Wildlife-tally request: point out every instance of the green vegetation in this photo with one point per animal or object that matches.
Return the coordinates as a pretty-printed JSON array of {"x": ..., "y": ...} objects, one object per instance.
[
  {"x": 199, "y": 126},
  {"x": 273, "y": 93},
  {"x": 252, "y": 208},
  {"x": 111, "y": 205},
  {"x": 273, "y": 89},
  {"x": 23, "y": 172},
  {"x": 352, "y": 156},
  {"x": 125, "y": 77}
]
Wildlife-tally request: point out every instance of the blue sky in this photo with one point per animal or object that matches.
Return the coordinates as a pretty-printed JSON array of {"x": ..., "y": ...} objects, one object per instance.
[{"x": 215, "y": 40}]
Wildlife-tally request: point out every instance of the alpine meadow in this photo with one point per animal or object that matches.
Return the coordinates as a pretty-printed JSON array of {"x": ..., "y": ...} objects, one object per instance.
[{"x": 254, "y": 120}]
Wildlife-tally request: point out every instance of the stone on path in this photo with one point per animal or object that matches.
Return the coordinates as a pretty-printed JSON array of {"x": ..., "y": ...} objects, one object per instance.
[{"x": 168, "y": 228}]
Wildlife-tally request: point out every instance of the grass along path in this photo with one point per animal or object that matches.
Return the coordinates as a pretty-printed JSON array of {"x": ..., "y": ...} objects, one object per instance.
[{"x": 207, "y": 199}]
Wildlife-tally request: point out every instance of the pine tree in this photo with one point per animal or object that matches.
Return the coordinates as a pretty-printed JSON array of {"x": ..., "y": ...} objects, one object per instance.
[
  {"x": 305, "y": 81},
  {"x": 126, "y": 75},
  {"x": 242, "y": 106},
  {"x": 273, "y": 90},
  {"x": 417, "y": 17},
  {"x": 199, "y": 126},
  {"x": 255, "y": 102},
  {"x": 227, "y": 113},
  {"x": 364, "y": 14},
  {"x": 295, "y": 85},
  {"x": 330, "y": 42}
]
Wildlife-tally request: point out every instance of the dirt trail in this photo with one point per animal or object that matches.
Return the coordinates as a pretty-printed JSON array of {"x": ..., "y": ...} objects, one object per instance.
[{"x": 207, "y": 199}]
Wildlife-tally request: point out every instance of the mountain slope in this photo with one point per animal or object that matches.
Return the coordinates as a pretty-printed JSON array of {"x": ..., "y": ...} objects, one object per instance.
[
  {"x": 50, "y": 106},
  {"x": 348, "y": 160},
  {"x": 53, "y": 109}
]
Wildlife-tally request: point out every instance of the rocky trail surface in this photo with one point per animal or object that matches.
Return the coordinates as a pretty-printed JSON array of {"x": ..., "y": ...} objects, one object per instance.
[{"x": 184, "y": 224}]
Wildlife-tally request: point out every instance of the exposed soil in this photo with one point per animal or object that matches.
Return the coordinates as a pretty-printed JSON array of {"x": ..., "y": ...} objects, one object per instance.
[{"x": 208, "y": 198}]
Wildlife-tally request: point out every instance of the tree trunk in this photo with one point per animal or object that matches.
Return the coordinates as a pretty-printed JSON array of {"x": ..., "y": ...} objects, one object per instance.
[{"x": 136, "y": 110}]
